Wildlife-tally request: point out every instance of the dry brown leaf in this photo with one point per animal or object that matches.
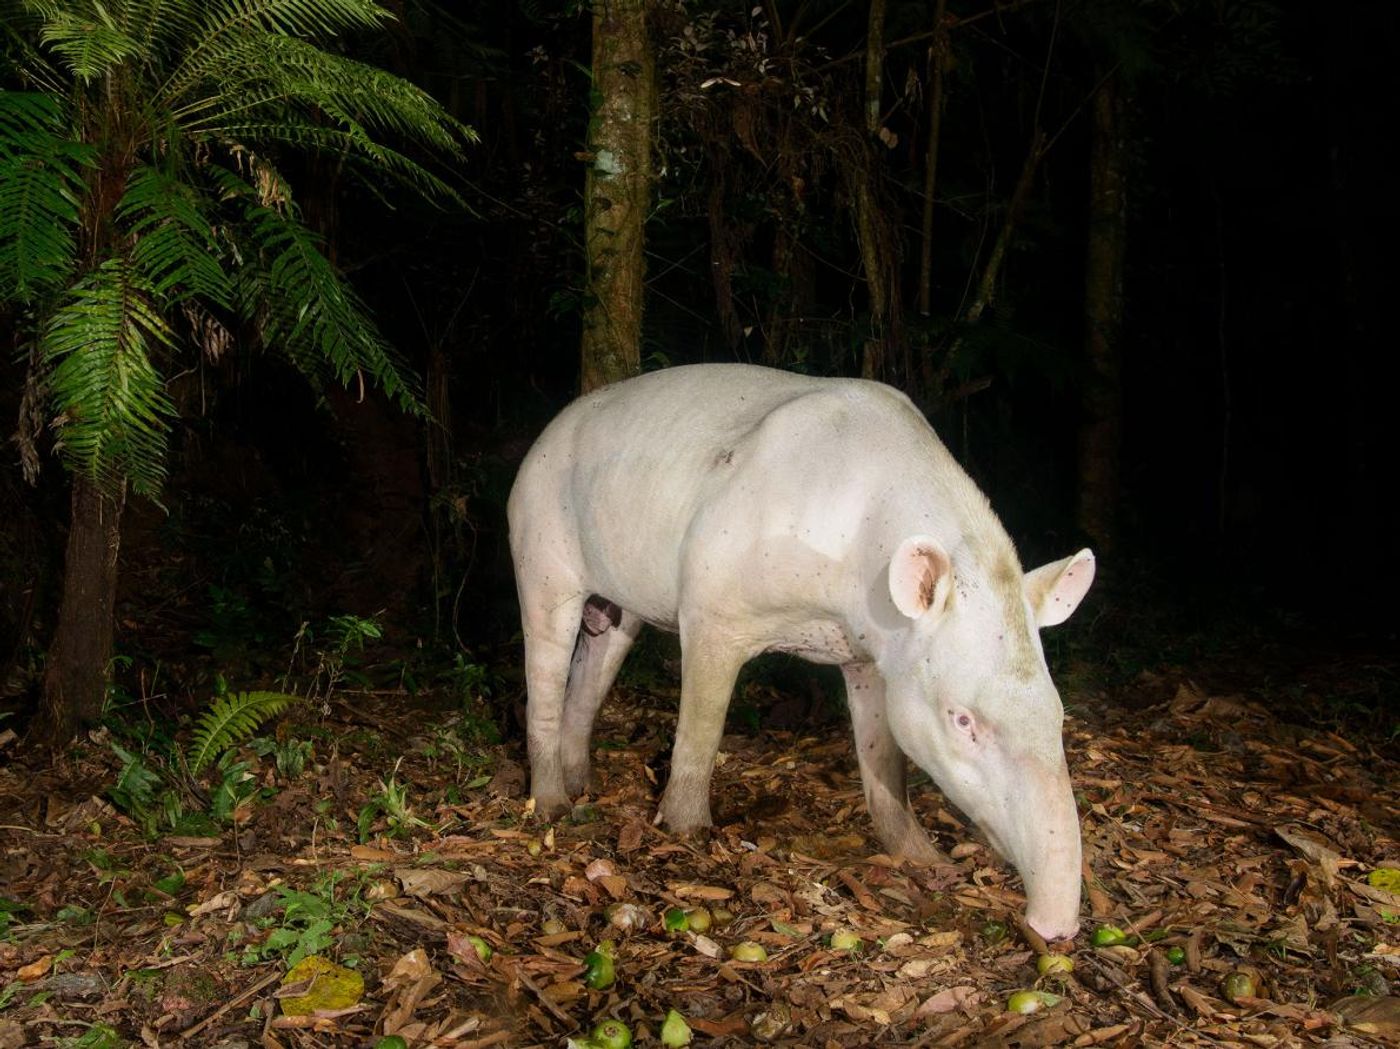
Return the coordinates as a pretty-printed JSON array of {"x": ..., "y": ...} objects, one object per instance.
[
  {"x": 1378, "y": 1017},
  {"x": 35, "y": 970},
  {"x": 423, "y": 882},
  {"x": 949, "y": 999},
  {"x": 1311, "y": 845}
]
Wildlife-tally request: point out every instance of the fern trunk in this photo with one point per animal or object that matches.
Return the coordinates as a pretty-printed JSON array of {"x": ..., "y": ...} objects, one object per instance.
[{"x": 75, "y": 675}]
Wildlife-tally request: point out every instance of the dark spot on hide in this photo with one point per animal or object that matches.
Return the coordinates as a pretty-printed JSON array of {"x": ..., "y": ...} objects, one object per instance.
[
  {"x": 724, "y": 458},
  {"x": 600, "y": 614}
]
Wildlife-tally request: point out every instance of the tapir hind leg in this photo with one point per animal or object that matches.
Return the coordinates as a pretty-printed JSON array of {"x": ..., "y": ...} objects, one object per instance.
[
  {"x": 551, "y": 626},
  {"x": 603, "y": 643},
  {"x": 882, "y": 767}
]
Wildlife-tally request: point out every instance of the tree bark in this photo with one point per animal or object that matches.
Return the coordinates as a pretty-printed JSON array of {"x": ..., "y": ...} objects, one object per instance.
[
  {"x": 79, "y": 660},
  {"x": 935, "y": 134},
  {"x": 874, "y": 65},
  {"x": 1101, "y": 428},
  {"x": 617, "y": 191}
]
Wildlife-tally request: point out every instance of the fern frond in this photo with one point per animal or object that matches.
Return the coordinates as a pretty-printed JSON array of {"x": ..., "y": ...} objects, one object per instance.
[
  {"x": 109, "y": 397},
  {"x": 304, "y": 307},
  {"x": 88, "y": 39},
  {"x": 176, "y": 251},
  {"x": 266, "y": 87},
  {"x": 230, "y": 20},
  {"x": 41, "y": 186},
  {"x": 229, "y": 721}
]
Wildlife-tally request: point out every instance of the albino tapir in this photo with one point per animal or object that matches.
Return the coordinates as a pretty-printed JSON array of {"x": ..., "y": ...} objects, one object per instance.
[{"x": 754, "y": 511}]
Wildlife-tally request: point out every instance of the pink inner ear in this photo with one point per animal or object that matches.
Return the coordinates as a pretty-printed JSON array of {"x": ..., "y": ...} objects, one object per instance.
[
  {"x": 918, "y": 576},
  {"x": 1068, "y": 590}
]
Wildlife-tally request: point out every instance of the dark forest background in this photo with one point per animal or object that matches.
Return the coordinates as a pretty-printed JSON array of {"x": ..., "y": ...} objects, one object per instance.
[{"x": 1254, "y": 507}]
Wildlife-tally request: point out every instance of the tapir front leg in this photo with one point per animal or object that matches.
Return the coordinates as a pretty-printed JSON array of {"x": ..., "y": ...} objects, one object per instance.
[
  {"x": 709, "y": 667},
  {"x": 883, "y": 768},
  {"x": 602, "y": 646}
]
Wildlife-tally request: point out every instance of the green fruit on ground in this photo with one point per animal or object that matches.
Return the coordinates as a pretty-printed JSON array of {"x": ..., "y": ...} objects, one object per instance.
[
  {"x": 675, "y": 1031},
  {"x": 1031, "y": 1001},
  {"x": 612, "y": 1034},
  {"x": 1237, "y": 985},
  {"x": 1054, "y": 963},
  {"x": 844, "y": 940},
  {"x": 391, "y": 1041},
  {"x": 1109, "y": 936},
  {"x": 600, "y": 972},
  {"x": 700, "y": 919},
  {"x": 748, "y": 951},
  {"x": 1176, "y": 955},
  {"x": 675, "y": 920}
]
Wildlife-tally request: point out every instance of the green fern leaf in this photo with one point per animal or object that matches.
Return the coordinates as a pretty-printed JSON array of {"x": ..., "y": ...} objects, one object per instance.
[
  {"x": 109, "y": 397},
  {"x": 230, "y": 720},
  {"x": 176, "y": 250},
  {"x": 41, "y": 186}
]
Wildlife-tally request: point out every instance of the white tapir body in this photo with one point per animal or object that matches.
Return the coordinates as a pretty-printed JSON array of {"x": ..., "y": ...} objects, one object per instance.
[{"x": 755, "y": 511}]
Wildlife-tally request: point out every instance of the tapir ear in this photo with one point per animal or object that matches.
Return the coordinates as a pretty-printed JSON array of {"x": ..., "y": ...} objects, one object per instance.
[
  {"x": 920, "y": 576},
  {"x": 1055, "y": 590}
]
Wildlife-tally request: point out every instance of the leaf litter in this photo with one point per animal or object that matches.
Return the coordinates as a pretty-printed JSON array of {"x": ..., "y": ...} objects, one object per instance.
[{"x": 1248, "y": 866}]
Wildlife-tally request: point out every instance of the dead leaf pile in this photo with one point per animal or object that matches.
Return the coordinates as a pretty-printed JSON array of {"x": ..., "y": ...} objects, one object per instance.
[{"x": 1218, "y": 843}]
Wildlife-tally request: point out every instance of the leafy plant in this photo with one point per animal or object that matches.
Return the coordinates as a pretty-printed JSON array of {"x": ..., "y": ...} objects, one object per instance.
[
  {"x": 390, "y": 801},
  {"x": 155, "y": 791},
  {"x": 230, "y": 720},
  {"x": 345, "y": 636},
  {"x": 307, "y": 921}
]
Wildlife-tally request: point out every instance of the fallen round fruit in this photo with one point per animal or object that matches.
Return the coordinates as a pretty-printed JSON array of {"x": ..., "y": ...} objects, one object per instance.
[
  {"x": 391, "y": 1041},
  {"x": 553, "y": 927},
  {"x": 1176, "y": 955},
  {"x": 1237, "y": 985},
  {"x": 612, "y": 1034},
  {"x": 675, "y": 1031},
  {"x": 844, "y": 940},
  {"x": 748, "y": 951},
  {"x": 600, "y": 972},
  {"x": 699, "y": 918},
  {"x": 1109, "y": 936},
  {"x": 675, "y": 920},
  {"x": 1031, "y": 1001},
  {"x": 625, "y": 916},
  {"x": 1054, "y": 963}
]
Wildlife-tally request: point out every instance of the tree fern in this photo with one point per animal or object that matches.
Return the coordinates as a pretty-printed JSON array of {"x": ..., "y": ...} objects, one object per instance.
[
  {"x": 175, "y": 247},
  {"x": 41, "y": 184},
  {"x": 114, "y": 408},
  {"x": 230, "y": 720}
]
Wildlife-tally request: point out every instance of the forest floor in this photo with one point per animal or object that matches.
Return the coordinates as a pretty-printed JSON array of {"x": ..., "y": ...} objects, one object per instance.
[{"x": 1218, "y": 837}]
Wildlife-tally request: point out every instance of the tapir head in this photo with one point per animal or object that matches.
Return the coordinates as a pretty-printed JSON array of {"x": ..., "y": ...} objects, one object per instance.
[{"x": 971, "y": 701}]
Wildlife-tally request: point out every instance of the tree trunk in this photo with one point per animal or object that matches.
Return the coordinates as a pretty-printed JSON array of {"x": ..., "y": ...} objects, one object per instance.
[
  {"x": 76, "y": 674},
  {"x": 935, "y": 134},
  {"x": 874, "y": 65},
  {"x": 617, "y": 191},
  {"x": 1101, "y": 427}
]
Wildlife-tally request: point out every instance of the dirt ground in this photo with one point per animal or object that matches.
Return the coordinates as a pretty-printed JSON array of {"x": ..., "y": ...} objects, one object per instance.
[{"x": 1219, "y": 839}]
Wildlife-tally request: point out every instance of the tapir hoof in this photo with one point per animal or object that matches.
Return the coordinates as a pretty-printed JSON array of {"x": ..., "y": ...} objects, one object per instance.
[{"x": 552, "y": 808}]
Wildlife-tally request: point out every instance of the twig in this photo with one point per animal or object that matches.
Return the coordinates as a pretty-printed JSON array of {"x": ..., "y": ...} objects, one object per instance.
[
  {"x": 570, "y": 1024},
  {"x": 1157, "y": 979},
  {"x": 190, "y": 1032}
]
